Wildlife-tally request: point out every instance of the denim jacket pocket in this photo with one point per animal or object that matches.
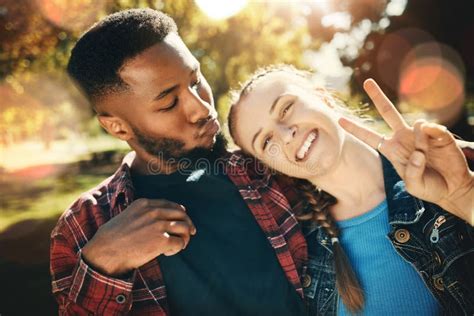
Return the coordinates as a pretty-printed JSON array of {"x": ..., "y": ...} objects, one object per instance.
[
  {"x": 320, "y": 278},
  {"x": 321, "y": 292}
]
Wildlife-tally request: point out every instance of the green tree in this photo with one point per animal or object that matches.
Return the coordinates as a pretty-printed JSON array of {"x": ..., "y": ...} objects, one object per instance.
[{"x": 35, "y": 44}]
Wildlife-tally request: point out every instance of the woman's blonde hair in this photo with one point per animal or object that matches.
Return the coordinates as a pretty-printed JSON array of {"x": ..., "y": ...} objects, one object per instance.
[{"x": 318, "y": 201}]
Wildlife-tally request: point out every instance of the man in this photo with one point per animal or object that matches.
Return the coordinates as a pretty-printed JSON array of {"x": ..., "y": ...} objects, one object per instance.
[
  {"x": 228, "y": 244},
  {"x": 114, "y": 250}
]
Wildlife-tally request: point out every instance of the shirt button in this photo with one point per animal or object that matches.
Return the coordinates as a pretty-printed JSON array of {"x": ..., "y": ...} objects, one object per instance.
[
  {"x": 439, "y": 284},
  {"x": 306, "y": 280},
  {"x": 120, "y": 298},
  {"x": 402, "y": 235}
]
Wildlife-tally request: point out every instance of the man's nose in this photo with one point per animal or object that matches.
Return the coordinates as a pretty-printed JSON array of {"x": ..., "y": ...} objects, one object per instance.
[
  {"x": 197, "y": 110},
  {"x": 287, "y": 133}
]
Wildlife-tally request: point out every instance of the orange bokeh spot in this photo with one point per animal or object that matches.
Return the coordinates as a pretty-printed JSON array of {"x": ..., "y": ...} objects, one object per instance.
[
  {"x": 395, "y": 50},
  {"x": 73, "y": 15},
  {"x": 432, "y": 78}
]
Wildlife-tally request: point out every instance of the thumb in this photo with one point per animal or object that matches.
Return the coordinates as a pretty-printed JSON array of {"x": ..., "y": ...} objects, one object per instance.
[{"x": 414, "y": 172}]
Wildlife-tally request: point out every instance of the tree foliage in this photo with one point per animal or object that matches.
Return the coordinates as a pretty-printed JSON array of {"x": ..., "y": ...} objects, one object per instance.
[
  {"x": 36, "y": 38},
  {"x": 35, "y": 45}
]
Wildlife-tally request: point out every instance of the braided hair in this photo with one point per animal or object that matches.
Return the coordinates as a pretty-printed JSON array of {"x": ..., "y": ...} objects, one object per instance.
[
  {"x": 318, "y": 201},
  {"x": 317, "y": 210}
]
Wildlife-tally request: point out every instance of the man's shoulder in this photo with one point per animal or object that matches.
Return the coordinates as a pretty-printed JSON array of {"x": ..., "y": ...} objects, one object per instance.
[
  {"x": 88, "y": 205},
  {"x": 93, "y": 207}
]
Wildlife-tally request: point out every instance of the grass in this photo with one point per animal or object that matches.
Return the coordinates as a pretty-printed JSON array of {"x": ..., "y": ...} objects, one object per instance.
[
  {"x": 33, "y": 153},
  {"x": 31, "y": 201},
  {"x": 38, "y": 183},
  {"x": 41, "y": 199}
]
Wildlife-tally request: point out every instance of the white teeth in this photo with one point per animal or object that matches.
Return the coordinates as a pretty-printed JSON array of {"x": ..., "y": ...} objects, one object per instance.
[{"x": 307, "y": 143}]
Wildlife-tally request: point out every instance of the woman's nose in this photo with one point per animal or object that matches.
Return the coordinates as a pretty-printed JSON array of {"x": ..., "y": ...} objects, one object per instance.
[{"x": 287, "y": 133}]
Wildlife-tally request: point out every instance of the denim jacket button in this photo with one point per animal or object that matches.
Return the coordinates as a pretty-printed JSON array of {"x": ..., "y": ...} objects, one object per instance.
[
  {"x": 402, "y": 235},
  {"x": 306, "y": 281},
  {"x": 439, "y": 284}
]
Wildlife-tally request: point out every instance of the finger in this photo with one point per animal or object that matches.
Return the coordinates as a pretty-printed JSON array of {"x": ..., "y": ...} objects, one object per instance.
[
  {"x": 414, "y": 173},
  {"x": 361, "y": 132},
  {"x": 173, "y": 245},
  {"x": 183, "y": 208},
  {"x": 179, "y": 228},
  {"x": 166, "y": 204},
  {"x": 174, "y": 214},
  {"x": 421, "y": 138},
  {"x": 143, "y": 203},
  {"x": 439, "y": 133},
  {"x": 385, "y": 107}
]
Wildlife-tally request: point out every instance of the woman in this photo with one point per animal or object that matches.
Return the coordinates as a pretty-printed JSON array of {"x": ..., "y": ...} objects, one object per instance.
[{"x": 356, "y": 199}]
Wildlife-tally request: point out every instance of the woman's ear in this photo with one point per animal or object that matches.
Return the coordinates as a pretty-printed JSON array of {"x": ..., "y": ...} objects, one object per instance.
[{"x": 115, "y": 126}]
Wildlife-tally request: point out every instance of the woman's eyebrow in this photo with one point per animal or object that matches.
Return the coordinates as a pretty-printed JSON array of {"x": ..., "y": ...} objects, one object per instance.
[
  {"x": 255, "y": 137},
  {"x": 275, "y": 103},
  {"x": 272, "y": 108}
]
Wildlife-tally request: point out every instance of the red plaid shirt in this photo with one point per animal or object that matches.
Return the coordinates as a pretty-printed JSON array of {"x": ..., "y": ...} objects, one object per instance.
[{"x": 80, "y": 290}]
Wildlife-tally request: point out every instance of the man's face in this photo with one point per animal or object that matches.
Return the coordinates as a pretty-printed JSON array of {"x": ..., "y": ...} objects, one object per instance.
[{"x": 169, "y": 108}]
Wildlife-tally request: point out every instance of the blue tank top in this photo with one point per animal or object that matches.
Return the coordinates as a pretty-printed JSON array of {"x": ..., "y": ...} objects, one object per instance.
[{"x": 391, "y": 285}]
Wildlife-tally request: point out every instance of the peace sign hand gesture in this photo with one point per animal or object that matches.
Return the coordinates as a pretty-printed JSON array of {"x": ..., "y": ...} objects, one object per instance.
[{"x": 425, "y": 155}]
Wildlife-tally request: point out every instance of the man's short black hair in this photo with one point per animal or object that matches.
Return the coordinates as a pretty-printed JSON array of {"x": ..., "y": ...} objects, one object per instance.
[{"x": 100, "y": 53}]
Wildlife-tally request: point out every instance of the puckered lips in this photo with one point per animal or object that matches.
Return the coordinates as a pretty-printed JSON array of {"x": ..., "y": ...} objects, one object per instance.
[
  {"x": 308, "y": 144},
  {"x": 210, "y": 128}
]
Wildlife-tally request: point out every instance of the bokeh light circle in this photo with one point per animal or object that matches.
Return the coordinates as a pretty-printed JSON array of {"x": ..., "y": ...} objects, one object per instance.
[
  {"x": 393, "y": 53},
  {"x": 72, "y": 15},
  {"x": 432, "y": 79},
  {"x": 221, "y": 9}
]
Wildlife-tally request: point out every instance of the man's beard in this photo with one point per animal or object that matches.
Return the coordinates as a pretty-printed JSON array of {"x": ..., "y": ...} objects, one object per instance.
[{"x": 171, "y": 151}]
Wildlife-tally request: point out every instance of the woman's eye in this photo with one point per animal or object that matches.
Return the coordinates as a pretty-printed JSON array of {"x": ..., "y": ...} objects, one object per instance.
[
  {"x": 266, "y": 142},
  {"x": 197, "y": 83},
  {"x": 171, "y": 106},
  {"x": 286, "y": 109}
]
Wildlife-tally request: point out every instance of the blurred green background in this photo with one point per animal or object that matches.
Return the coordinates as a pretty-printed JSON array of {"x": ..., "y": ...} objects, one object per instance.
[{"x": 52, "y": 148}]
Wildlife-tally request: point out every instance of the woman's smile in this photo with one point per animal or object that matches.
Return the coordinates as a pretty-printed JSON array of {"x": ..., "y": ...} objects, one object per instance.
[{"x": 307, "y": 145}]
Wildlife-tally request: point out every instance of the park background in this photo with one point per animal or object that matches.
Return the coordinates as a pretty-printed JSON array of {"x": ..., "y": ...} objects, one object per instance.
[{"x": 52, "y": 149}]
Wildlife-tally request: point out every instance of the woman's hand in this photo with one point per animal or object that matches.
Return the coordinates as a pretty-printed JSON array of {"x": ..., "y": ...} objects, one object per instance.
[{"x": 426, "y": 156}]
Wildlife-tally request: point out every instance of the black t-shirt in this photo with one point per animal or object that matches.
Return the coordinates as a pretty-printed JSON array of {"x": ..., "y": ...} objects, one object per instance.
[{"x": 229, "y": 267}]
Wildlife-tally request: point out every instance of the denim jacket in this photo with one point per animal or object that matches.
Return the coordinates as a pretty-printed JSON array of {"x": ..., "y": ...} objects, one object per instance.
[{"x": 437, "y": 244}]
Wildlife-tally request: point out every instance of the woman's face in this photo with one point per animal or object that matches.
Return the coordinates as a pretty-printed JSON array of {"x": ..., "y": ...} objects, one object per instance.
[{"x": 287, "y": 125}]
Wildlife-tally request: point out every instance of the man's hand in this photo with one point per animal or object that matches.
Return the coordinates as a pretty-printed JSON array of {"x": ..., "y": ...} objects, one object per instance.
[
  {"x": 141, "y": 232},
  {"x": 425, "y": 156}
]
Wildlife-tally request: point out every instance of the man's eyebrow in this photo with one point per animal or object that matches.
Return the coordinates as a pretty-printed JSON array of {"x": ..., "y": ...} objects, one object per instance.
[
  {"x": 165, "y": 92},
  {"x": 255, "y": 137}
]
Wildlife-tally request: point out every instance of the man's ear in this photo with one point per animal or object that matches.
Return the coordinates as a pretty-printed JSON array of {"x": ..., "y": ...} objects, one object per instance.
[{"x": 115, "y": 126}]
